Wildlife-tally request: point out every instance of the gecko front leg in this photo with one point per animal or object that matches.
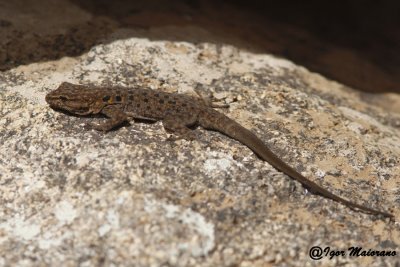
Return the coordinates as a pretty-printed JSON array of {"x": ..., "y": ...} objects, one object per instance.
[
  {"x": 116, "y": 117},
  {"x": 179, "y": 127}
]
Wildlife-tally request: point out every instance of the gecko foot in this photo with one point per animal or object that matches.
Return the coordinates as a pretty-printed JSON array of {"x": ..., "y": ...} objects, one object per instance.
[
  {"x": 105, "y": 126},
  {"x": 188, "y": 136},
  {"x": 179, "y": 129},
  {"x": 102, "y": 127}
]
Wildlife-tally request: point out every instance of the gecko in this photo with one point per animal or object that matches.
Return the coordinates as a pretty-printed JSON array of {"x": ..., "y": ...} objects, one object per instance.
[{"x": 178, "y": 114}]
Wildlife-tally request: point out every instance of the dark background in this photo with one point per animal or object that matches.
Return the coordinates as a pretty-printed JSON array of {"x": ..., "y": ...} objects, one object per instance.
[{"x": 354, "y": 42}]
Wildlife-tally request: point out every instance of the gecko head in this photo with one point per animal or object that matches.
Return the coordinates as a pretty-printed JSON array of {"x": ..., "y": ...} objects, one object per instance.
[{"x": 71, "y": 98}]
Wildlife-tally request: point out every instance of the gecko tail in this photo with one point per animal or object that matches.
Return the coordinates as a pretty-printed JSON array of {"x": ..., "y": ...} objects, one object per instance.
[{"x": 219, "y": 122}]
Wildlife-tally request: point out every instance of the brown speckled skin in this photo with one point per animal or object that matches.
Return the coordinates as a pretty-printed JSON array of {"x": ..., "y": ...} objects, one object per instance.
[{"x": 177, "y": 112}]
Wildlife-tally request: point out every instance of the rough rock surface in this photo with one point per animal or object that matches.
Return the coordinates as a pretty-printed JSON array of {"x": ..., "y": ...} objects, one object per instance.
[{"x": 71, "y": 196}]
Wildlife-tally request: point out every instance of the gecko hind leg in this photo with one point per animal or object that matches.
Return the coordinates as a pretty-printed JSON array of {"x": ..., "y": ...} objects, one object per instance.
[{"x": 209, "y": 100}]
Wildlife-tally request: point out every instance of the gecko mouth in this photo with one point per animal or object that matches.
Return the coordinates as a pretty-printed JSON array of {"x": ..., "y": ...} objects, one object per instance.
[
  {"x": 83, "y": 111},
  {"x": 78, "y": 110},
  {"x": 71, "y": 110}
]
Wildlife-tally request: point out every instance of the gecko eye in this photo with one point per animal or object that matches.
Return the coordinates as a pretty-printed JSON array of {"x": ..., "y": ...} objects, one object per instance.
[{"x": 63, "y": 98}]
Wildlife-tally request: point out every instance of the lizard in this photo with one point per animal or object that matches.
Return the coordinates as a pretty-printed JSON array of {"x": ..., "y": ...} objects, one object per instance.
[{"x": 178, "y": 112}]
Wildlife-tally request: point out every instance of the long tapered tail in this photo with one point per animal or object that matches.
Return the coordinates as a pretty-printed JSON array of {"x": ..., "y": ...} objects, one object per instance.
[{"x": 219, "y": 122}]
